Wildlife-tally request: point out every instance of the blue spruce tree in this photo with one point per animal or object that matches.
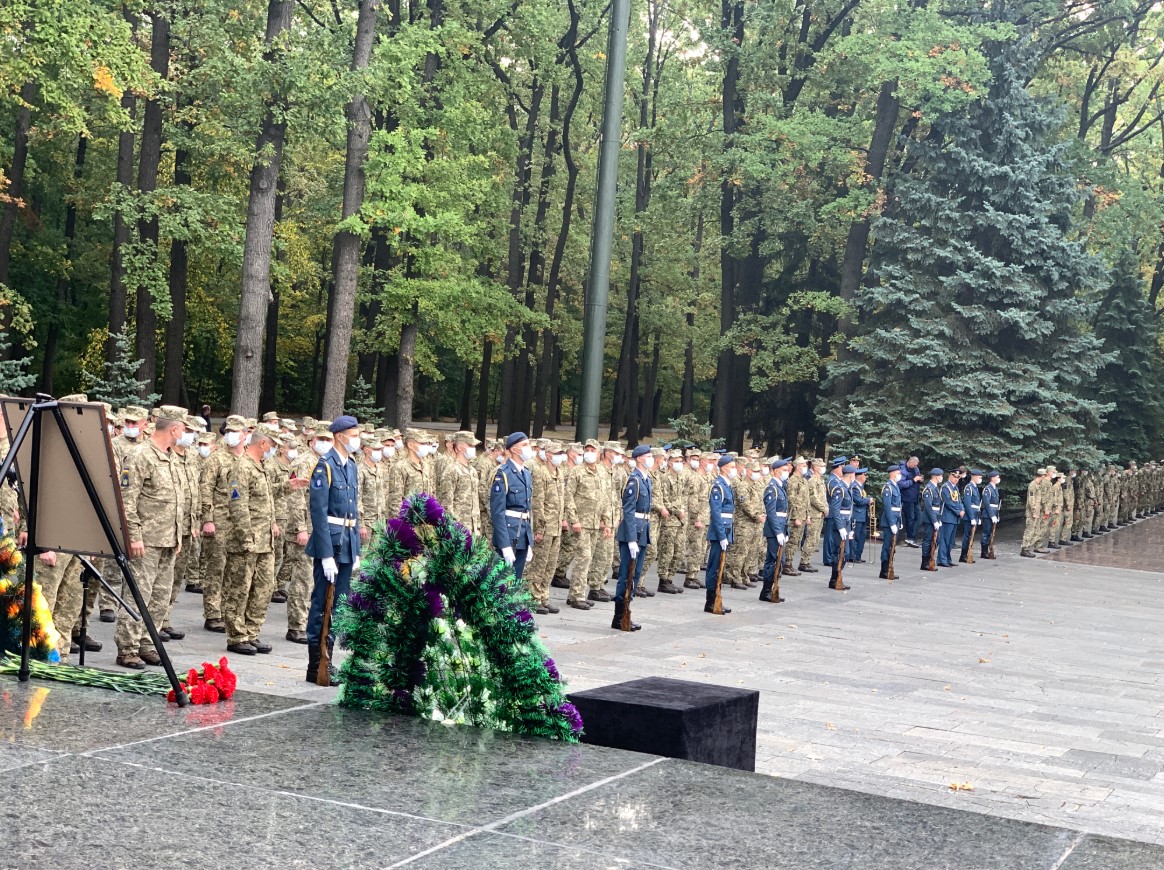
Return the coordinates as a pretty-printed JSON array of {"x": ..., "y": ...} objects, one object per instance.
[{"x": 974, "y": 341}]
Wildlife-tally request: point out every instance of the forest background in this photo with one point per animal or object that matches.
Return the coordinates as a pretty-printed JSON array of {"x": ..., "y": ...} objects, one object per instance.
[{"x": 931, "y": 226}]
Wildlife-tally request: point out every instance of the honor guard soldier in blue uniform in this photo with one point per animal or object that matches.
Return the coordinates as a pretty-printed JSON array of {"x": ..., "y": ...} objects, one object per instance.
[
  {"x": 931, "y": 516},
  {"x": 972, "y": 505},
  {"x": 952, "y": 513},
  {"x": 890, "y": 517},
  {"x": 991, "y": 507},
  {"x": 634, "y": 529},
  {"x": 775, "y": 530},
  {"x": 509, "y": 501},
  {"x": 839, "y": 521},
  {"x": 334, "y": 546},
  {"x": 720, "y": 526},
  {"x": 861, "y": 502}
]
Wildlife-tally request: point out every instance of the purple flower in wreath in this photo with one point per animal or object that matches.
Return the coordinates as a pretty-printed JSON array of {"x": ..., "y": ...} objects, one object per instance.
[
  {"x": 403, "y": 532},
  {"x": 571, "y": 714},
  {"x": 402, "y": 697},
  {"x": 436, "y": 605},
  {"x": 361, "y": 602},
  {"x": 417, "y": 672},
  {"x": 466, "y": 536},
  {"x": 552, "y": 670},
  {"x": 434, "y": 514},
  {"x": 523, "y": 616}
]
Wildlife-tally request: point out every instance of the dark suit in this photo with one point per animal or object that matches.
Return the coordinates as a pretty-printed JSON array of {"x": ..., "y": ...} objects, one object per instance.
[
  {"x": 720, "y": 527},
  {"x": 635, "y": 526},
  {"x": 509, "y": 501},
  {"x": 334, "y": 505}
]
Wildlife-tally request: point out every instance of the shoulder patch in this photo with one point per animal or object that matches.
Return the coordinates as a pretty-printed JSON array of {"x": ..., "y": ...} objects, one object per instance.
[
  {"x": 234, "y": 489},
  {"x": 317, "y": 481},
  {"x": 124, "y": 479}
]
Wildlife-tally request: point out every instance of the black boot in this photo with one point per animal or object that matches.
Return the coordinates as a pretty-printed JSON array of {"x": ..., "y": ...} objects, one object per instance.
[
  {"x": 619, "y": 609},
  {"x": 312, "y": 662},
  {"x": 709, "y": 607},
  {"x": 884, "y": 575}
]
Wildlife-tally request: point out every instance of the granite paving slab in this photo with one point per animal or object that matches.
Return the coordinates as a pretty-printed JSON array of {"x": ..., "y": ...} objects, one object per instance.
[{"x": 81, "y": 812}]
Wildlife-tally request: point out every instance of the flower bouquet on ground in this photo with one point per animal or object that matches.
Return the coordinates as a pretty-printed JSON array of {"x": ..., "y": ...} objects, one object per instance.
[
  {"x": 209, "y": 685},
  {"x": 45, "y": 638},
  {"x": 439, "y": 627}
]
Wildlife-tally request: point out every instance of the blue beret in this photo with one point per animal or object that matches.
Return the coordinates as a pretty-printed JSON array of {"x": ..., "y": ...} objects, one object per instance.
[
  {"x": 515, "y": 438},
  {"x": 725, "y": 459},
  {"x": 862, "y": 471},
  {"x": 779, "y": 463},
  {"x": 975, "y": 472},
  {"x": 995, "y": 473},
  {"x": 848, "y": 469},
  {"x": 894, "y": 468},
  {"x": 936, "y": 472},
  {"x": 839, "y": 460},
  {"x": 641, "y": 450},
  {"x": 343, "y": 423}
]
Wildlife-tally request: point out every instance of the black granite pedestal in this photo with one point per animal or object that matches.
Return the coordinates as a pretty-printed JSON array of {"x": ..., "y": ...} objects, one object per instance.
[{"x": 675, "y": 719}]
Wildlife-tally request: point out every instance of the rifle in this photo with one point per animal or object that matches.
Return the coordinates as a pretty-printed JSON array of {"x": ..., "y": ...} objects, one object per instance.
[
  {"x": 323, "y": 674},
  {"x": 892, "y": 553},
  {"x": 841, "y": 563},
  {"x": 717, "y": 607},
  {"x": 932, "y": 564},
  {"x": 993, "y": 532},
  {"x": 779, "y": 567},
  {"x": 625, "y": 625},
  {"x": 970, "y": 548}
]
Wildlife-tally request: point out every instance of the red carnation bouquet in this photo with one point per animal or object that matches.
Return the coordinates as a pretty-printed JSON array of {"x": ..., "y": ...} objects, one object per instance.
[{"x": 210, "y": 685}]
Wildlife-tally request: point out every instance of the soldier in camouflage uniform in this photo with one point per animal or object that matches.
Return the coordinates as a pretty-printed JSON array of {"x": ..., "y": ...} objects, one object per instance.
[
  {"x": 1036, "y": 515},
  {"x": 1055, "y": 505},
  {"x": 818, "y": 508},
  {"x": 217, "y": 477},
  {"x": 1088, "y": 503},
  {"x": 568, "y": 551},
  {"x": 749, "y": 510},
  {"x": 604, "y": 552},
  {"x": 695, "y": 499},
  {"x": 187, "y": 468},
  {"x": 671, "y": 490},
  {"x": 151, "y": 492},
  {"x": 486, "y": 464},
  {"x": 799, "y": 519},
  {"x": 412, "y": 474},
  {"x": 373, "y": 485},
  {"x": 459, "y": 488},
  {"x": 547, "y": 509},
  {"x": 1068, "y": 519},
  {"x": 587, "y": 513},
  {"x": 250, "y": 564}
]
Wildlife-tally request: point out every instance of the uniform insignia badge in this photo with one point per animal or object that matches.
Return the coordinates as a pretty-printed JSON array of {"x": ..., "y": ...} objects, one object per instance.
[
  {"x": 125, "y": 480},
  {"x": 234, "y": 491}
]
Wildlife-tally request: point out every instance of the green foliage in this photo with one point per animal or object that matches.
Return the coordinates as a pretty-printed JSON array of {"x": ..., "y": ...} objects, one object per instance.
[
  {"x": 118, "y": 383},
  {"x": 689, "y": 429},
  {"x": 974, "y": 343},
  {"x": 361, "y": 402}
]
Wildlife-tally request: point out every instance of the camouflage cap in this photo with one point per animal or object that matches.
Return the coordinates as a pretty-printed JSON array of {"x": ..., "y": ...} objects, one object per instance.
[
  {"x": 1039, "y": 472},
  {"x": 195, "y": 424},
  {"x": 74, "y": 397},
  {"x": 207, "y": 438},
  {"x": 574, "y": 447},
  {"x": 556, "y": 447},
  {"x": 309, "y": 422},
  {"x": 267, "y": 430},
  {"x": 173, "y": 414},
  {"x": 236, "y": 423},
  {"x": 288, "y": 439},
  {"x": 592, "y": 442},
  {"x": 464, "y": 437},
  {"x": 417, "y": 435},
  {"x": 817, "y": 462},
  {"x": 322, "y": 429},
  {"x": 676, "y": 454},
  {"x": 252, "y": 423},
  {"x": 134, "y": 412},
  {"x": 371, "y": 442},
  {"x": 694, "y": 453},
  {"x": 614, "y": 447},
  {"x": 271, "y": 417},
  {"x": 799, "y": 460}
]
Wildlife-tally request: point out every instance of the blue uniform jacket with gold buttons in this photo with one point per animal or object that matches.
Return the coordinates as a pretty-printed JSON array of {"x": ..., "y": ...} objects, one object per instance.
[
  {"x": 334, "y": 503},
  {"x": 509, "y": 501}
]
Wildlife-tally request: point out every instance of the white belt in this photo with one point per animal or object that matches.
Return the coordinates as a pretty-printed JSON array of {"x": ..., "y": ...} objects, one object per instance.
[
  {"x": 896, "y": 510},
  {"x": 781, "y": 513},
  {"x": 517, "y": 515},
  {"x": 639, "y": 516},
  {"x": 726, "y": 516},
  {"x": 341, "y": 521},
  {"x": 845, "y": 513},
  {"x": 994, "y": 506}
]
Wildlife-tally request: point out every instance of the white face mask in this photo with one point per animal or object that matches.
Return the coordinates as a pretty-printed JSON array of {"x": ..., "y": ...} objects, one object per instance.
[
  {"x": 558, "y": 458},
  {"x": 677, "y": 466},
  {"x": 755, "y": 475},
  {"x": 500, "y": 458},
  {"x": 542, "y": 455},
  {"x": 109, "y": 426},
  {"x": 131, "y": 431},
  {"x": 377, "y": 455},
  {"x": 694, "y": 463},
  {"x": 590, "y": 457},
  {"x": 204, "y": 450},
  {"x": 232, "y": 439},
  {"x": 527, "y": 453},
  {"x": 353, "y": 444},
  {"x": 732, "y": 473},
  {"x": 187, "y": 439},
  {"x": 322, "y": 448},
  {"x": 269, "y": 454},
  {"x": 783, "y": 476},
  {"x": 578, "y": 457},
  {"x": 250, "y": 438},
  {"x": 470, "y": 453},
  {"x": 292, "y": 453},
  {"x": 390, "y": 450},
  {"x": 618, "y": 460},
  {"x": 648, "y": 462}
]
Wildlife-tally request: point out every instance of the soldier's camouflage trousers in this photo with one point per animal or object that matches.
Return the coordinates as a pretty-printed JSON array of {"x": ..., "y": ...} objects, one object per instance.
[
  {"x": 246, "y": 594},
  {"x": 154, "y": 573}
]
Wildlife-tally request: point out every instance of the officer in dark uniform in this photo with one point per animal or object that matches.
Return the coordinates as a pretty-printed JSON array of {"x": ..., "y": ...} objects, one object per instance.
[
  {"x": 720, "y": 526},
  {"x": 334, "y": 546},
  {"x": 991, "y": 507},
  {"x": 972, "y": 505},
  {"x": 509, "y": 501},
  {"x": 890, "y": 517},
  {"x": 839, "y": 522},
  {"x": 634, "y": 529},
  {"x": 861, "y": 502},
  {"x": 952, "y": 513},
  {"x": 931, "y": 515},
  {"x": 775, "y": 529}
]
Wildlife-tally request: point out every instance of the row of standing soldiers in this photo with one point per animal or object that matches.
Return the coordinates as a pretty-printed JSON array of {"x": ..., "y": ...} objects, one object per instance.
[{"x": 1072, "y": 504}]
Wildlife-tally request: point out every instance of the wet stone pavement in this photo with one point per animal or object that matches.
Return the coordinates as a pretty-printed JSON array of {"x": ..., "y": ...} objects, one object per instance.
[{"x": 1034, "y": 686}]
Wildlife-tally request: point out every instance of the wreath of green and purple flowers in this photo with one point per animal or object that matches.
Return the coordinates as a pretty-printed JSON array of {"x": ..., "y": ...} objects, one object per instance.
[{"x": 438, "y": 627}]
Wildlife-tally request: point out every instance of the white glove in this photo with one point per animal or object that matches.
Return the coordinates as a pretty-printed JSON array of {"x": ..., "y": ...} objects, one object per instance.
[
  {"x": 529, "y": 555},
  {"x": 356, "y": 565},
  {"x": 330, "y": 571},
  {"x": 844, "y": 533},
  {"x": 507, "y": 555},
  {"x": 634, "y": 549},
  {"x": 723, "y": 544},
  {"x": 938, "y": 524},
  {"x": 974, "y": 522},
  {"x": 893, "y": 530},
  {"x": 782, "y": 540}
]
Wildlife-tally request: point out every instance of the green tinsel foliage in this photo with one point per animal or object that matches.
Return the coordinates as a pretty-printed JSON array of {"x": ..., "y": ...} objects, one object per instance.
[{"x": 440, "y": 628}]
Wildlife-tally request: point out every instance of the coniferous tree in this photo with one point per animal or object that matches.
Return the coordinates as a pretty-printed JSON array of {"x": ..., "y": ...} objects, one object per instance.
[
  {"x": 361, "y": 402},
  {"x": 1129, "y": 381},
  {"x": 119, "y": 384},
  {"x": 14, "y": 377},
  {"x": 975, "y": 344}
]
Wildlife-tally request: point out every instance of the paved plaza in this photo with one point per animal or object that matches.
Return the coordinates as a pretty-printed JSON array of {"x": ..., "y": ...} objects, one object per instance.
[{"x": 1021, "y": 689}]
